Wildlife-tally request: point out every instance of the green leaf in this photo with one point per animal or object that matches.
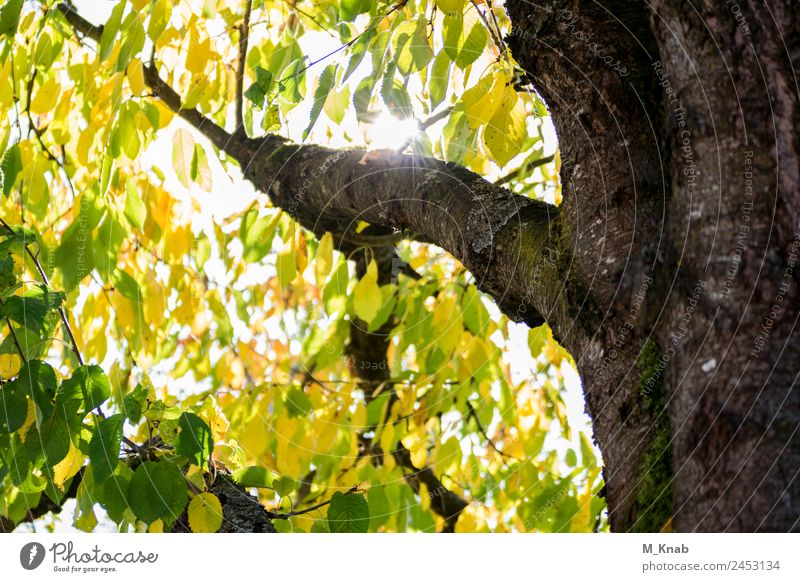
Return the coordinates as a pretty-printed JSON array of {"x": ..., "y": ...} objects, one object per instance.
[
  {"x": 254, "y": 477},
  {"x": 327, "y": 82},
  {"x": 201, "y": 172},
  {"x": 10, "y": 167},
  {"x": 30, "y": 310},
  {"x": 9, "y": 17},
  {"x": 537, "y": 337},
  {"x": 50, "y": 442},
  {"x": 111, "y": 29},
  {"x": 195, "y": 441},
  {"x": 257, "y": 233},
  {"x": 348, "y": 513},
  {"x": 38, "y": 380},
  {"x": 159, "y": 18},
  {"x": 182, "y": 154},
  {"x": 297, "y": 403},
  {"x": 13, "y": 406},
  {"x": 439, "y": 78},
  {"x": 284, "y": 485},
  {"x": 133, "y": 41},
  {"x": 93, "y": 384},
  {"x": 464, "y": 37},
  {"x": 104, "y": 447},
  {"x": 349, "y": 9},
  {"x": 157, "y": 491},
  {"x": 135, "y": 210},
  {"x": 111, "y": 494},
  {"x": 412, "y": 48}
]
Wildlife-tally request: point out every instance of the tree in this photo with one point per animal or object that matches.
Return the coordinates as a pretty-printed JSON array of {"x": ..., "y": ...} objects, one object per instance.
[{"x": 681, "y": 321}]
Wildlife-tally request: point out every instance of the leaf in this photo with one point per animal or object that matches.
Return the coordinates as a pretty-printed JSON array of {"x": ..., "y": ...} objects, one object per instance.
[
  {"x": 9, "y": 16},
  {"x": 482, "y": 100},
  {"x": 104, "y": 447},
  {"x": 38, "y": 380},
  {"x": 92, "y": 383},
  {"x": 205, "y": 513},
  {"x": 450, "y": 5},
  {"x": 297, "y": 403},
  {"x": 537, "y": 337},
  {"x": 13, "y": 406},
  {"x": 135, "y": 210},
  {"x": 133, "y": 41},
  {"x": 201, "y": 173},
  {"x": 256, "y": 233},
  {"x": 10, "y": 167},
  {"x": 412, "y": 48},
  {"x": 157, "y": 491},
  {"x": 9, "y": 366},
  {"x": 367, "y": 297},
  {"x": 51, "y": 442},
  {"x": 285, "y": 262},
  {"x": 349, "y": 9},
  {"x": 30, "y": 310},
  {"x": 438, "y": 79},
  {"x": 68, "y": 467},
  {"x": 506, "y": 131},
  {"x": 324, "y": 259},
  {"x": 327, "y": 82},
  {"x": 182, "y": 155},
  {"x": 194, "y": 439},
  {"x": 111, "y": 29},
  {"x": 464, "y": 37},
  {"x": 159, "y": 18},
  {"x": 348, "y": 513},
  {"x": 254, "y": 477}
]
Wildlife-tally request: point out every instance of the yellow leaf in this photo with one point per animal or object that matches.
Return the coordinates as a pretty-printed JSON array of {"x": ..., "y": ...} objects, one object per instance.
[
  {"x": 205, "y": 513},
  {"x": 537, "y": 337},
  {"x": 301, "y": 252},
  {"x": 359, "y": 419},
  {"x": 466, "y": 522},
  {"x": 481, "y": 102},
  {"x": 450, "y": 5},
  {"x": 68, "y": 466},
  {"x": 156, "y": 527},
  {"x": 367, "y": 296},
  {"x": 9, "y": 366},
  {"x": 324, "y": 259},
  {"x": 199, "y": 53},
  {"x": 424, "y": 497},
  {"x": 446, "y": 326},
  {"x": 136, "y": 76},
  {"x": 46, "y": 97},
  {"x": 506, "y": 131},
  {"x": 286, "y": 263}
]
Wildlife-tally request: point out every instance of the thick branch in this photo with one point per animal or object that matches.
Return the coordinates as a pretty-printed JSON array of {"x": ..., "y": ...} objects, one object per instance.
[
  {"x": 370, "y": 365},
  {"x": 508, "y": 242}
]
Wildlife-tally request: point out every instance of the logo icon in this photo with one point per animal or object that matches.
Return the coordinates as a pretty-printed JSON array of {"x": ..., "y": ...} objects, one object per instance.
[{"x": 31, "y": 555}]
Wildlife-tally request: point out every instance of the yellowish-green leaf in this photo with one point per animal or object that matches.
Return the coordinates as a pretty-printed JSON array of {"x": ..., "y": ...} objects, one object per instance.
[
  {"x": 68, "y": 466},
  {"x": 506, "y": 131},
  {"x": 367, "y": 295},
  {"x": 182, "y": 155},
  {"x": 481, "y": 101},
  {"x": 205, "y": 513},
  {"x": 324, "y": 260},
  {"x": 286, "y": 263}
]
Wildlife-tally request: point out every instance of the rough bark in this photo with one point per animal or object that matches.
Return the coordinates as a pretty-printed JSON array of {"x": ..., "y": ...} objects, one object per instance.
[{"x": 695, "y": 409}]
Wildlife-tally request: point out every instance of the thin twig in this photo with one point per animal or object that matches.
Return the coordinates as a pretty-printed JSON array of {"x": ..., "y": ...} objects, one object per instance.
[
  {"x": 244, "y": 34},
  {"x": 474, "y": 415},
  {"x": 275, "y": 515}
]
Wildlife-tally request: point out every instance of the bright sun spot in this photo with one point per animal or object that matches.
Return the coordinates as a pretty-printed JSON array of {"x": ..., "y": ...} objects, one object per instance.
[{"x": 387, "y": 131}]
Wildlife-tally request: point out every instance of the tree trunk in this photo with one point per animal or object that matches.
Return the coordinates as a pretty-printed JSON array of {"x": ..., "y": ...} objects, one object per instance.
[{"x": 678, "y": 130}]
